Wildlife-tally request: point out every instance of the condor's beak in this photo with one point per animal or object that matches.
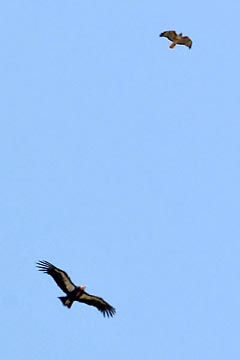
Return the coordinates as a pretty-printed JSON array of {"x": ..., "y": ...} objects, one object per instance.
[{"x": 83, "y": 287}]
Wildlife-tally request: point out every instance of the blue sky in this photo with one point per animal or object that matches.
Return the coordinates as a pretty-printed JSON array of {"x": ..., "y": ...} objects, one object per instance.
[{"x": 120, "y": 164}]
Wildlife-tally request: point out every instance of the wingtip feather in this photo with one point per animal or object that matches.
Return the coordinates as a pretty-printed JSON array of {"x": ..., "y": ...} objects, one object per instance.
[{"x": 43, "y": 265}]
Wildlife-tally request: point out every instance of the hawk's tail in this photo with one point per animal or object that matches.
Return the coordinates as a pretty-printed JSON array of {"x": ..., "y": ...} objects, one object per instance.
[{"x": 172, "y": 45}]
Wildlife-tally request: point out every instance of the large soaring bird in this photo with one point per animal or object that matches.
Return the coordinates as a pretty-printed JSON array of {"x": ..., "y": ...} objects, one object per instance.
[
  {"x": 73, "y": 292},
  {"x": 176, "y": 39}
]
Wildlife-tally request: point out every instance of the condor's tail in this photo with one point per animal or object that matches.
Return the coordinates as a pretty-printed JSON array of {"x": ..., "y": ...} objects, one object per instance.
[{"x": 66, "y": 301}]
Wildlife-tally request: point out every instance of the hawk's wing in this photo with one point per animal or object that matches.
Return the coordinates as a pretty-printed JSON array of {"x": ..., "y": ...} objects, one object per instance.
[
  {"x": 61, "y": 277},
  {"x": 171, "y": 35},
  {"x": 185, "y": 40}
]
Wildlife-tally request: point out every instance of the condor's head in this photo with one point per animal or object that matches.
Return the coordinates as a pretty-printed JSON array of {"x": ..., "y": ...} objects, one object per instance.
[{"x": 80, "y": 290}]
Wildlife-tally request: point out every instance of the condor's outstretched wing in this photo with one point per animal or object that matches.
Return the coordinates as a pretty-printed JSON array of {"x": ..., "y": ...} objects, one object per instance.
[
  {"x": 171, "y": 35},
  {"x": 99, "y": 303},
  {"x": 61, "y": 277}
]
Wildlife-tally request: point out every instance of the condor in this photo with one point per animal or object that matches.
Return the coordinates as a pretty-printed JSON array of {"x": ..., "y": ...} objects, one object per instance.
[{"x": 73, "y": 292}]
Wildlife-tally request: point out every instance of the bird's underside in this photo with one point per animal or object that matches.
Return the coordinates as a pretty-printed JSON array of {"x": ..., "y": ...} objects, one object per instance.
[
  {"x": 177, "y": 39},
  {"x": 73, "y": 292}
]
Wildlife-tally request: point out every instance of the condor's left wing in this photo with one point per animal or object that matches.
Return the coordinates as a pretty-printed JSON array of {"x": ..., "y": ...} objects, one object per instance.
[{"x": 61, "y": 277}]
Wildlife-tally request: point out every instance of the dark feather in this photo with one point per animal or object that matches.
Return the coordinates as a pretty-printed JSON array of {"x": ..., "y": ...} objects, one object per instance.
[
  {"x": 185, "y": 40},
  {"x": 98, "y": 302},
  {"x": 61, "y": 277},
  {"x": 170, "y": 35}
]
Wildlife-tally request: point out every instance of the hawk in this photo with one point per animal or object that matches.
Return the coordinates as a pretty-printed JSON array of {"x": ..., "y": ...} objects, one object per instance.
[{"x": 176, "y": 39}]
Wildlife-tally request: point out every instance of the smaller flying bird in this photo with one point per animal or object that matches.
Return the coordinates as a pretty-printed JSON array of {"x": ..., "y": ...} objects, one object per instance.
[
  {"x": 176, "y": 39},
  {"x": 73, "y": 292}
]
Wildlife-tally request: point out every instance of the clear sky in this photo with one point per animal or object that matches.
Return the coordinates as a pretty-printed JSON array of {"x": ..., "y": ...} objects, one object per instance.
[{"x": 120, "y": 164}]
